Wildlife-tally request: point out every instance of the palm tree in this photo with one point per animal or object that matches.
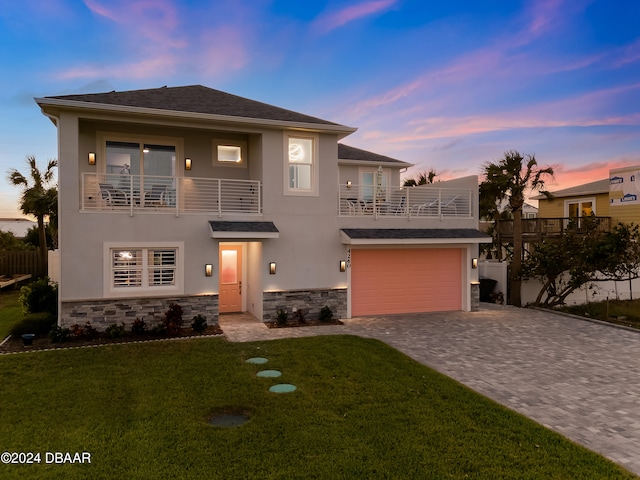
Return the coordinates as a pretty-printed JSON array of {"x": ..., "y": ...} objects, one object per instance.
[
  {"x": 38, "y": 199},
  {"x": 510, "y": 179},
  {"x": 423, "y": 178}
]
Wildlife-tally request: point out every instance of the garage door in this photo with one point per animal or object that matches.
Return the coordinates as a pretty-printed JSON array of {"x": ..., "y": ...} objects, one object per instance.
[{"x": 405, "y": 280}]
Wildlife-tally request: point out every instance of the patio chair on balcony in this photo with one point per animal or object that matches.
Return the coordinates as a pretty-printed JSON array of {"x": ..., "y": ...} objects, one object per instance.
[
  {"x": 156, "y": 195},
  {"x": 449, "y": 206},
  {"x": 400, "y": 208},
  {"x": 112, "y": 196}
]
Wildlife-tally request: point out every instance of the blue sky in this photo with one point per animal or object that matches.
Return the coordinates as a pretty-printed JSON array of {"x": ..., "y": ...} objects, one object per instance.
[{"x": 445, "y": 85}]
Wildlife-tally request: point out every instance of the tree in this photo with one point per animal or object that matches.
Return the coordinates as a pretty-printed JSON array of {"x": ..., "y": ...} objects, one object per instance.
[
  {"x": 423, "y": 178},
  {"x": 38, "y": 198},
  {"x": 583, "y": 254},
  {"x": 9, "y": 242},
  {"x": 510, "y": 178}
]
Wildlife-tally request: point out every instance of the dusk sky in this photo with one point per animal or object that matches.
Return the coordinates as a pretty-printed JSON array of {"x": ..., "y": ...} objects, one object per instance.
[{"x": 447, "y": 85}]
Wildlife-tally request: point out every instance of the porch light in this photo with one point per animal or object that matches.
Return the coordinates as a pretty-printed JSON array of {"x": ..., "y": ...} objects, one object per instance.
[
  {"x": 208, "y": 269},
  {"x": 343, "y": 266},
  {"x": 474, "y": 263},
  {"x": 348, "y": 183},
  {"x": 187, "y": 164},
  {"x": 92, "y": 158},
  {"x": 272, "y": 268}
]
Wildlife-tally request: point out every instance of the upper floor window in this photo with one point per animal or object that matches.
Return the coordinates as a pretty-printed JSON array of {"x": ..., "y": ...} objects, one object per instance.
[
  {"x": 584, "y": 207},
  {"x": 301, "y": 165},
  {"x": 232, "y": 153},
  {"x": 374, "y": 183}
]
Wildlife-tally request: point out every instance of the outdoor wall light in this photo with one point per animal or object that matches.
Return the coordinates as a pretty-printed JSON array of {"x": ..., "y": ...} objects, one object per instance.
[
  {"x": 187, "y": 164},
  {"x": 348, "y": 183},
  {"x": 272, "y": 268},
  {"x": 343, "y": 266},
  {"x": 92, "y": 158},
  {"x": 474, "y": 263},
  {"x": 208, "y": 269}
]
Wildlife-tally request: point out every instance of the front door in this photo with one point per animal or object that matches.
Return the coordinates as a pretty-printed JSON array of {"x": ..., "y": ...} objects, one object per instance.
[{"x": 230, "y": 299}]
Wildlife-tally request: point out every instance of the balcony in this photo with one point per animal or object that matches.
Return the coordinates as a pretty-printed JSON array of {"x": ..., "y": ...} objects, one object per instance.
[
  {"x": 538, "y": 229},
  {"x": 177, "y": 195},
  {"x": 409, "y": 202}
]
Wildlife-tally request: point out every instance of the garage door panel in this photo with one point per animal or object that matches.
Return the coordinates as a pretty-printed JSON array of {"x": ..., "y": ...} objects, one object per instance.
[{"x": 405, "y": 280}]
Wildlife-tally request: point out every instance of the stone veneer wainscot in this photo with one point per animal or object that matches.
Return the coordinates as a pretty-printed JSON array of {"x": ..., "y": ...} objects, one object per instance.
[
  {"x": 312, "y": 300},
  {"x": 102, "y": 313}
]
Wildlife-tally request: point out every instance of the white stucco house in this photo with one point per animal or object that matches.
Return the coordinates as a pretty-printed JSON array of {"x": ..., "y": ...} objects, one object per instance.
[{"x": 223, "y": 204}]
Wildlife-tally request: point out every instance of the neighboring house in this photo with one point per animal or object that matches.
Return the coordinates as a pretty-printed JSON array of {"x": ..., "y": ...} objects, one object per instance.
[
  {"x": 224, "y": 204},
  {"x": 18, "y": 226},
  {"x": 617, "y": 197}
]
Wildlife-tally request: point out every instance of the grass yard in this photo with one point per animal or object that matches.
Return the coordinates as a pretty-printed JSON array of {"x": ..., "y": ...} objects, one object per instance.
[
  {"x": 621, "y": 312},
  {"x": 362, "y": 410},
  {"x": 10, "y": 311}
]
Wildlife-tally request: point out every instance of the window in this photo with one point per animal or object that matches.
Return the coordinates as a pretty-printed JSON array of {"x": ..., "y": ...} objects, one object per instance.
[
  {"x": 139, "y": 269},
  {"x": 580, "y": 208},
  {"x": 300, "y": 172},
  {"x": 373, "y": 181},
  {"x": 232, "y": 153}
]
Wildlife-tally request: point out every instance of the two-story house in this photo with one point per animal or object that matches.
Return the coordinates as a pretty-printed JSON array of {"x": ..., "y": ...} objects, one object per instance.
[{"x": 223, "y": 204}]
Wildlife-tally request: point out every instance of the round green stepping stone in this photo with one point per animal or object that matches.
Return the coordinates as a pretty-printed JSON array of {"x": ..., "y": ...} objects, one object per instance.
[
  {"x": 269, "y": 373},
  {"x": 282, "y": 388},
  {"x": 257, "y": 360}
]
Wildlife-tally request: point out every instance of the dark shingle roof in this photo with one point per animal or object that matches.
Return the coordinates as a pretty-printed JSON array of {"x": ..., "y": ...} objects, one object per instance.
[
  {"x": 591, "y": 188},
  {"x": 195, "y": 99},
  {"x": 250, "y": 227},
  {"x": 413, "y": 233},
  {"x": 345, "y": 152}
]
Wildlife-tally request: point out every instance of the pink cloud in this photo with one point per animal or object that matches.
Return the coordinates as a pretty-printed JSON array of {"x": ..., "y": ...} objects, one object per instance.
[{"x": 332, "y": 20}]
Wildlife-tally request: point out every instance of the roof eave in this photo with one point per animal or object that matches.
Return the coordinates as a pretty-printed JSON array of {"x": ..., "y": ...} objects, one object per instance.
[
  {"x": 398, "y": 164},
  {"x": 341, "y": 130}
]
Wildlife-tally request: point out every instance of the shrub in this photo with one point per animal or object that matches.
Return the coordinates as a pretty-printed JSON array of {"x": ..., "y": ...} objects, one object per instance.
[
  {"x": 116, "y": 331},
  {"x": 300, "y": 314},
  {"x": 139, "y": 327},
  {"x": 282, "y": 317},
  {"x": 159, "y": 329},
  {"x": 40, "y": 296},
  {"x": 173, "y": 319},
  {"x": 59, "y": 334},
  {"x": 38, "y": 323},
  {"x": 326, "y": 315},
  {"x": 89, "y": 332},
  {"x": 199, "y": 323}
]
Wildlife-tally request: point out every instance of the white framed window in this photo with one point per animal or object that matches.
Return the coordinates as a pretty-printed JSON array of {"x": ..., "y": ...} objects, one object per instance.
[
  {"x": 301, "y": 164},
  {"x": 580, "y": 207},
  {"x": 374, "y": 182},
  {"x": 230, "y": 153},
  {"x": 143, "y": 269}
]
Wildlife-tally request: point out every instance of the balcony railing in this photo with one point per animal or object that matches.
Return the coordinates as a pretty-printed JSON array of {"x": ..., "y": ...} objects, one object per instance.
[
  {"x": 537, "y": 229},
  {"x": 411, "y": 202},
  {"x": 147, "y": 193}
]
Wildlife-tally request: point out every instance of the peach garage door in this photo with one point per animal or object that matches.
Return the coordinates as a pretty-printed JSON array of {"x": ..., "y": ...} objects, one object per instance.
[{"x": 405, "y": 280}]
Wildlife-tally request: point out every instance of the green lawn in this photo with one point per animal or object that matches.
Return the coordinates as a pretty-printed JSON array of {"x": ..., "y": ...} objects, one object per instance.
[
  {"x": 10, "y": 311},
  {"x": 362, "y": 410}
]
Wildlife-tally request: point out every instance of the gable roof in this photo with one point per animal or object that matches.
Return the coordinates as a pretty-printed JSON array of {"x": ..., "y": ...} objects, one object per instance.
[
  {"x": 357, "y": 155},
  {"x": 591, "y": 188},
  {"x": 191, "y": 99}
]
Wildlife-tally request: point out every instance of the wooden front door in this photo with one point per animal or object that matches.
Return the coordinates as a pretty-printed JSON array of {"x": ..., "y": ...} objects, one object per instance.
[{"x": 230, "y": 299}]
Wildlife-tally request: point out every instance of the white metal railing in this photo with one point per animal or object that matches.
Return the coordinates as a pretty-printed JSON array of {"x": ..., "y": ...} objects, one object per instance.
[
  {"x": 136, "y": 193},
  {"x": 411, "y": 202}
]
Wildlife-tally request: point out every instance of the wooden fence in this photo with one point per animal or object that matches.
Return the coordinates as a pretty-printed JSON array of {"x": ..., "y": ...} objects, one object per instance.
[{"x": 20, "y": 262}]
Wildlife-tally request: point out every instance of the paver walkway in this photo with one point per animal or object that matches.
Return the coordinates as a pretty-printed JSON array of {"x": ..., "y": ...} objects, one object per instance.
[{"x": 579, "y": 378}]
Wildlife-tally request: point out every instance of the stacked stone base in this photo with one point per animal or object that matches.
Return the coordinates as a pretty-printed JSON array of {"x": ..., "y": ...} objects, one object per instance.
[
  {"x": 310, "y": 301},
  {"x": 102, "y": 313}
]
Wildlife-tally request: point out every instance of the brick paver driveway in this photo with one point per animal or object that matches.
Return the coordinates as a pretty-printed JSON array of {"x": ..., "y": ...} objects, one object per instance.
[{"x": 579, "y": 378}]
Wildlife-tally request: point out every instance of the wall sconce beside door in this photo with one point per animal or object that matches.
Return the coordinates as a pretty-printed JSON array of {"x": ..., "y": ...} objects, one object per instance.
[
  {"x": 474, "y": 263},
  {"x": 92, "y": 158},
  {"x": 349, "y": 183},
  {"x": 272, "y": 268},
  {"x": 208, "y": 270},
  {"x": 187, "y": 164},
  {"x": 343, "y": 266}
]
